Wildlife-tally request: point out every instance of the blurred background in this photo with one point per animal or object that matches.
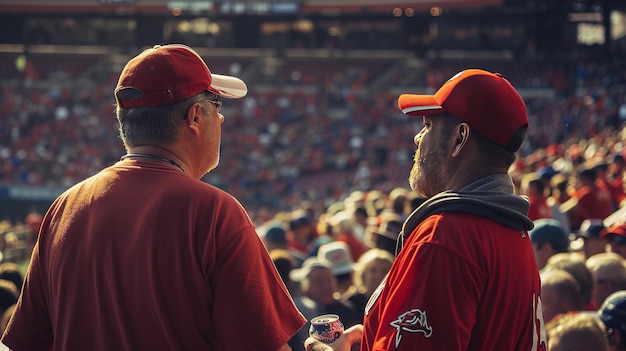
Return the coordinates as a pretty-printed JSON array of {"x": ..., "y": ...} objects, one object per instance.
[{"x": 320, "y": 121}]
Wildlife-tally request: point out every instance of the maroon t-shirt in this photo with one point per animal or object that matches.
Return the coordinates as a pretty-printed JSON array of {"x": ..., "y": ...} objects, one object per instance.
[
  {"x": 144, "y": 257},
  {"x": 461, "y": 282}
]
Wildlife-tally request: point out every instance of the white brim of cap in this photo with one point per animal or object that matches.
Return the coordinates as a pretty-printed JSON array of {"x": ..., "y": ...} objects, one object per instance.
[{"x": 229, "y": 87}]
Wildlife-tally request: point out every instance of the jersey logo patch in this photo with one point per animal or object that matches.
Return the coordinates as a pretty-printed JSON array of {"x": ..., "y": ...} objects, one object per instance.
[{"x": 413, "y": 321}]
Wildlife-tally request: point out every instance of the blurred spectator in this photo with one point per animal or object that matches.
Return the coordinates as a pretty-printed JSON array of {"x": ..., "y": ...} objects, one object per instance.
[
  {"x": 413, "y": 201},
  {"x": 558, "y": 187},
  {"x": 538, "y": 200},
  {"x": 307, "y": 306},
  {"x": 301, "y": 235},
  {"x": 33, "y": 222},
  {"x": 273, "y": 235},
  {"x": 576, "y": 331},
  {"x": 616, "y": 238},
  {"x": 342, "y": 265},
  {"x": 11, "y": 272},
  {"x": 342, "y": 224},
  {"x": 616, "y": 169},
  {"x": 548, "y": 238},
  {"x": 613, "y": 315},
  {"x": 603, "y": 182},
  {"x": 609, "y": 273},
  {"x": 385, "y": 235},
  {"x": 360, "y": 221},
  {"x": 318, "y": 286},
  {"x": 591, "y": 231},
  {"x": 370, "y": 271},
  {"x": 396, "y": 201},
  {"x": 559, "y": 294},
  {"x": 574, "y": 264},
  {"x": 545, "y": 175},
  {"x": 284, "y": 263},
  {"x": 588, "y": 200},
  {"x": 4, "y": 322},
  {"x": 8, "y": 295}
]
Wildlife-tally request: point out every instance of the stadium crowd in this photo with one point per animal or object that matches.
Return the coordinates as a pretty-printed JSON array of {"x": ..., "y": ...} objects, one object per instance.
[
  {"x": 285, "y": 146},
  {"x": 323, "y": 174}
]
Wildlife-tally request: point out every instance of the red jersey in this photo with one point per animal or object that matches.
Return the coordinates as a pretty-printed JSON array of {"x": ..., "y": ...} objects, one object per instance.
[
  {"x": 538, "y": 208},
  {"x": 461, "y": 282},
  {"x": 144, "y": 257}
]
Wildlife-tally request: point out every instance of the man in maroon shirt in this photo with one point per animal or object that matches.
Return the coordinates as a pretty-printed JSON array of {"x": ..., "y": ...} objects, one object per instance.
[{"x": 144, "y": 255}]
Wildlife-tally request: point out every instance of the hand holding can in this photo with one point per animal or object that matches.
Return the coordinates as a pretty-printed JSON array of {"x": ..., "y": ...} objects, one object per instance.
[{"x": 326, "y": 328}]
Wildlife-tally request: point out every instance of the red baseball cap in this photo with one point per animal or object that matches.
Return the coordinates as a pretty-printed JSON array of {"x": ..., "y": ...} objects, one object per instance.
[
  {"x": 166, "y": 74},
  {"x": 619, "y": 230},
  {"x": 486, "y": 101}
]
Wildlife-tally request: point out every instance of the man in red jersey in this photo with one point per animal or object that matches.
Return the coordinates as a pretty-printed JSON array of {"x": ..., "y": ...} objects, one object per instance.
[
  {"x": 144, "y": 255},
  {"x": 465, "y": 277}
]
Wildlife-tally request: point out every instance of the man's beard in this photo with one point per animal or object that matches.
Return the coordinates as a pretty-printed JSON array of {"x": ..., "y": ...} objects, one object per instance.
[{"x": 427, "y": 175}]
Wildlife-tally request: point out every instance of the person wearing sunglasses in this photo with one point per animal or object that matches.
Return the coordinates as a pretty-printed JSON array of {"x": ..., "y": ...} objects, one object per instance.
[{"x": 144, "y": 255}]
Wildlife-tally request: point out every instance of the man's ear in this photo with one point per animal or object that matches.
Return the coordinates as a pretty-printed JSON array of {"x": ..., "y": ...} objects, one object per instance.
[
  {"x": 462, "y": 135},
  {"x": 194, "y": 111},
  {"x": 193, "y": 117}
]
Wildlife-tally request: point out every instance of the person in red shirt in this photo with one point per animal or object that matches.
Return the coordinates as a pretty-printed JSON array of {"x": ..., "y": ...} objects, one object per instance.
[
  {"x": 588, "y": 200},
  {"x": 465, "y": 277},
  {"x": 616, "y": 179},
  {"x": 603, "y": 182},
  {"x": 144, "y": 255},
  {"x": 538, "y": 201},
  {"x": 342, "y": 224}
]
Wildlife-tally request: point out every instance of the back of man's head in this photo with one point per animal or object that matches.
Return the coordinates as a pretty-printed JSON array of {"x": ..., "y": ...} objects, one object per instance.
[
  {"x": 613, "y": 315},
  {"x": 550, "y": 231},
  {"x": 576, "y": 331}
]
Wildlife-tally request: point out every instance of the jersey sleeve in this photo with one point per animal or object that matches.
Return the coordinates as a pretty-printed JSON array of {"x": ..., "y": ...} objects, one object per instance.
[
  {"x": 30, "y": 327},
  {"x": 253, "y": 309},
  {"x": 432, "y": 299}
]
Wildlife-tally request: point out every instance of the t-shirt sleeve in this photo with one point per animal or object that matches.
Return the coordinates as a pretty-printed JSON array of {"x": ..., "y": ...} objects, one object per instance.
[
  {"x": 253, "y": 309},
  {"x": 30, "y": 327},
  {"x": 431, "y": 301}
]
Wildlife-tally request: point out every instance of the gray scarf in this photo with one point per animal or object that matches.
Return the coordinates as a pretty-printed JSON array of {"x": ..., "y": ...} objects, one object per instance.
[{"x": 490, "y": 197}]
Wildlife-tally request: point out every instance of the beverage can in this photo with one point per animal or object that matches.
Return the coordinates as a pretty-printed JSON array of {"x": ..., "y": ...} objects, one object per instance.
[{"x": 326, "y": 328}]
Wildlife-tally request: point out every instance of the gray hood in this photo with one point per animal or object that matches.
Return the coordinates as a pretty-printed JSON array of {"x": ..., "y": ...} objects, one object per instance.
[{"x": 490, "y": 197}]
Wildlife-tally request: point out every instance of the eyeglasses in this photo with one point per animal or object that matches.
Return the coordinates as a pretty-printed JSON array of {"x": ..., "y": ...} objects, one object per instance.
[{"x": 217, "y": 102}]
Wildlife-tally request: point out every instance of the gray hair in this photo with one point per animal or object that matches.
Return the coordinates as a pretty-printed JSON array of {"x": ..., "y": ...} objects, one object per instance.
[{"x": 152, "y": 125}]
